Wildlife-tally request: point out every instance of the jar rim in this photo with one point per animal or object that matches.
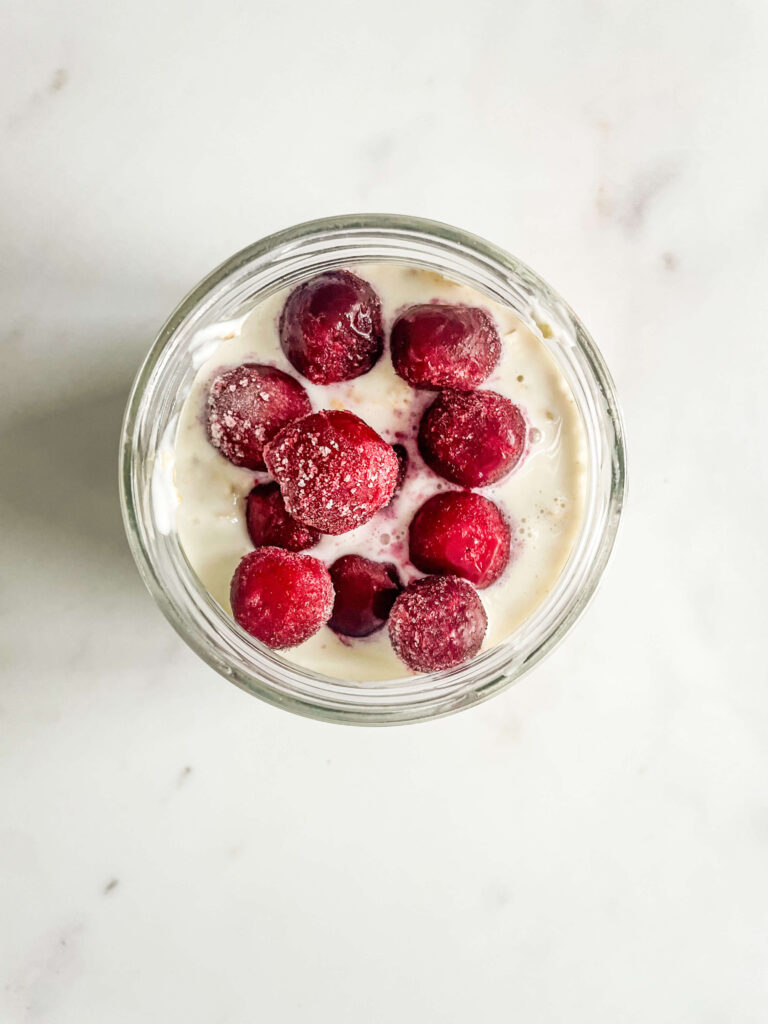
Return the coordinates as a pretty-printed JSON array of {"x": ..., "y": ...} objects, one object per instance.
[{"x": 213, "y": 634}]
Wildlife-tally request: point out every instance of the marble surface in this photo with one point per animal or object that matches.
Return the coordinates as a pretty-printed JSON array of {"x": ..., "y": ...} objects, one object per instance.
[{"x": 591, "y": 846}]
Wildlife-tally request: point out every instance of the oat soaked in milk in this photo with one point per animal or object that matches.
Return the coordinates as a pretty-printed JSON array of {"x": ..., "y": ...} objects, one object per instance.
[{"x": 543, "y": 497}]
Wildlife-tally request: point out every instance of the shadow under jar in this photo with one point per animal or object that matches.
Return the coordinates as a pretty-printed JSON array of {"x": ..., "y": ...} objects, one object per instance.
[{"x": 165, "y": 380}]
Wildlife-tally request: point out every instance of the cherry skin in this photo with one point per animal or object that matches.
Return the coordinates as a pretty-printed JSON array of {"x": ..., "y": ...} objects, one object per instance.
[
  {"x": 365, "y": 592},
  {"x": 472, "y": 438},
  {"x": 330, "y": 327},
  {"x": 280, "y": 597},
  {"x": 334, "y": 471},
  {"x": 438, "y": 346},
  {"x": 402, "y": 465},
  {"x": 269, "y": 523},
  {"x": 246, "y": 406},
  {"x": 436, "y": 623},
  {"x": 461, "y": 534}
]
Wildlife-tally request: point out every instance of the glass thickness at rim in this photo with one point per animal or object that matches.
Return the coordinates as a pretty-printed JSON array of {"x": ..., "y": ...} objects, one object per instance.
[{"x": 163, "y": 382}]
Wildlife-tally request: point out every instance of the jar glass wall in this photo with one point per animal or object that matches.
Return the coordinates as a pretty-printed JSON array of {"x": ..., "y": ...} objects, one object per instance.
[{"x": 166, "y": 378}]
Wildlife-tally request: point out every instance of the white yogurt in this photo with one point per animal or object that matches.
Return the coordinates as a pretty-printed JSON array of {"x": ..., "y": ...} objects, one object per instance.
[{"x": 543, "y": 497}]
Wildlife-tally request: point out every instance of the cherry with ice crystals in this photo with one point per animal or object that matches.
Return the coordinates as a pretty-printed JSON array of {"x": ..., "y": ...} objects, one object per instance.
[
  {"x": 365, "y": 592},
  {"x": 461, "y": 534},
  {"x": 438, "y": 346},
  {"x": 472, "y": 438},
  {"x": 246, "y": 406},
  {"x": 280, "y": 597},
  {"x": 330, "y": 327},
  {"x": 269, "y": 523},
  {"x": 334, "y": 471},
  {"x": 436, "y": 623}
]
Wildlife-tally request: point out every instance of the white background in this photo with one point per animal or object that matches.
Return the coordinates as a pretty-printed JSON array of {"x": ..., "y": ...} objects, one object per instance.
[{"x": 591, "y": 846}]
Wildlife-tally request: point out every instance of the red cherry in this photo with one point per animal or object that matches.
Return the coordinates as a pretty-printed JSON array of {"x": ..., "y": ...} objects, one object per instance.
[
  {"x": 438, "y": 346},
  {"x": 365, "y": 593},
  {"x": 269, "y": 523},
  {"x": 330, "y": 327},
  {"x": 247, "y": 406},
  {"x": 402, "y": 465},
  {"x": 436, "y": 623},
  {"x": 334, "y": 471},
  {"x": 280, "y": 597},
  {"x": 472, "y": 438},
  {"x": 460, "y": 534}
]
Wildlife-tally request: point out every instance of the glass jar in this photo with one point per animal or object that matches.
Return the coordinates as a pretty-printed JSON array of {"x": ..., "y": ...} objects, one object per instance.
[{"x": 165, "y": 380}]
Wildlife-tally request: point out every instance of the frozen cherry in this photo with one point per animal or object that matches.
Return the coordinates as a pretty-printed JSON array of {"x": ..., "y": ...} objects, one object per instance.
[
  {"x": 438, "y": 346},
  {"x": 334, "y": 471},
  {"x": 436, "y": 623},
  {"x": 402, "y": 465},
  {"x": 365, "y": 593},
  {"x": 280, "y": 597},
  {"x": 269, "y": 523},
  {"x": 460, "y": 533},
  {"x": 246, "y": 407},
  {"x": 330, "y": 327},
  {"x": 472, "y": 438}
]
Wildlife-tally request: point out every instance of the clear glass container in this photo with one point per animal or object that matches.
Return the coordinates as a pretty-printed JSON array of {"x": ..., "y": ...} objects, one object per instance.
[{"x": 165, "y": 380}]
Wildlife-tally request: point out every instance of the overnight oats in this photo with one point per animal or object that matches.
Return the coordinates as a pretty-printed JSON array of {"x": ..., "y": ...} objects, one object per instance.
[
  {"x": 378, "y": 470},
  {"x": 486, "y": 483}
]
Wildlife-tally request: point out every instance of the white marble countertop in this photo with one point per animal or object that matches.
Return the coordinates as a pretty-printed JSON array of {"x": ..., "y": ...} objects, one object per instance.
[{"x": 590, "y": 846}]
